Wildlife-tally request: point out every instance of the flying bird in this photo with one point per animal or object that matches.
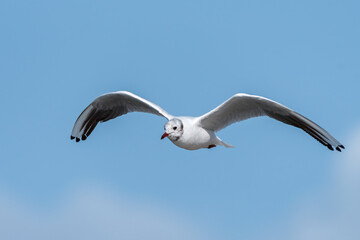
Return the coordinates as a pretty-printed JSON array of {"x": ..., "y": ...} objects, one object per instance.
[{"x": 193, "y": 133}]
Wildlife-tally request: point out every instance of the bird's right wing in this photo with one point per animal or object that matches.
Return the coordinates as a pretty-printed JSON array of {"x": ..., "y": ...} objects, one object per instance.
[
  {"x": 109, "y": 106},
  {"x": 243, "y": 106}
]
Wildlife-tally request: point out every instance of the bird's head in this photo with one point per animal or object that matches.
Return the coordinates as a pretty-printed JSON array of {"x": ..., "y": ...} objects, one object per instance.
[{"x": 173, "y": 129}]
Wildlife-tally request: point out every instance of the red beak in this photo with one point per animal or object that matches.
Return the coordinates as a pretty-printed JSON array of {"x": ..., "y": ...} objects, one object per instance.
[{"x": 164, "y": 135}]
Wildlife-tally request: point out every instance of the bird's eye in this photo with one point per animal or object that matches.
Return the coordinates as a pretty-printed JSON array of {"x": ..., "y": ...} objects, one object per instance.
[{"x": 174, "y": 128}]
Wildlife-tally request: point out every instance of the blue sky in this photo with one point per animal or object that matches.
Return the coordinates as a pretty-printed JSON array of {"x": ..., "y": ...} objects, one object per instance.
[{"x": 188, "y": 57}]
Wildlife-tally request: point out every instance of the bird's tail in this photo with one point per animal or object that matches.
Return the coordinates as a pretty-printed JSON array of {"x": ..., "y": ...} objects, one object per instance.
[{"x": 225, "y": 144}]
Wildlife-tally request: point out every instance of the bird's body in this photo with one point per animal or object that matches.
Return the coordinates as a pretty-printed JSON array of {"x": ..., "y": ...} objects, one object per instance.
[
  {"x": 193, "y": 133},
  {"x": 194, "y": 136}
]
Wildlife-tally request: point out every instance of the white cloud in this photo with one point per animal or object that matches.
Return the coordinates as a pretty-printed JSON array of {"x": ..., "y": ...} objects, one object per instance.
[
  {"x": 93, "y": 214},
  {"x": 334, "y": 213}
]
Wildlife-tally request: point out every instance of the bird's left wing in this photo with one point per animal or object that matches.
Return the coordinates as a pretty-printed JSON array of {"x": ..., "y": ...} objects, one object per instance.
[
  {"x": 243, "y": 106},
  {"x": 109, "y": 106}
]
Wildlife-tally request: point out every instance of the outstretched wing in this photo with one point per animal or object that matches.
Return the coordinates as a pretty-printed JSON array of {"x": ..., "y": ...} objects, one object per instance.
[
  {"x": 109, "y": 106},
  {"x": 243, "y": 106}
]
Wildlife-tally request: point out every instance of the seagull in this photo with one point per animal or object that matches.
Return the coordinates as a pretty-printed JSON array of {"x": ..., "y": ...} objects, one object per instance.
[{"x": 194, "y": 133}]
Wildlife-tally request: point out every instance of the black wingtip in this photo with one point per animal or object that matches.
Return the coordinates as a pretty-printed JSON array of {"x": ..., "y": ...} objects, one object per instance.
[
  {"x": 83, "y": 137},
  {"x": 337, "y": 148},
  {"x": 72, "y": 138},
  {"x": 77, "y": 139},
  {"x": 330, "y": 147},
  {"x": 342, "y": 146}
]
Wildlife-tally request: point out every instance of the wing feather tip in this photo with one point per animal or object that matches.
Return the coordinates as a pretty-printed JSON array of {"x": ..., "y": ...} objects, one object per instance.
[{"x": 330, "y": 147}]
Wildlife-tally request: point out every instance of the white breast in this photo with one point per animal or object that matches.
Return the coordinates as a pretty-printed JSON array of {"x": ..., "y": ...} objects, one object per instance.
[{"x": 194, "y": 136}]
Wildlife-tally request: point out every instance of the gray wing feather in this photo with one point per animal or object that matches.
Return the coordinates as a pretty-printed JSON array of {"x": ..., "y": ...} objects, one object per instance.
[
  {"x": 243, "y": 106},
  {"x": 110, "y": 106}
]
